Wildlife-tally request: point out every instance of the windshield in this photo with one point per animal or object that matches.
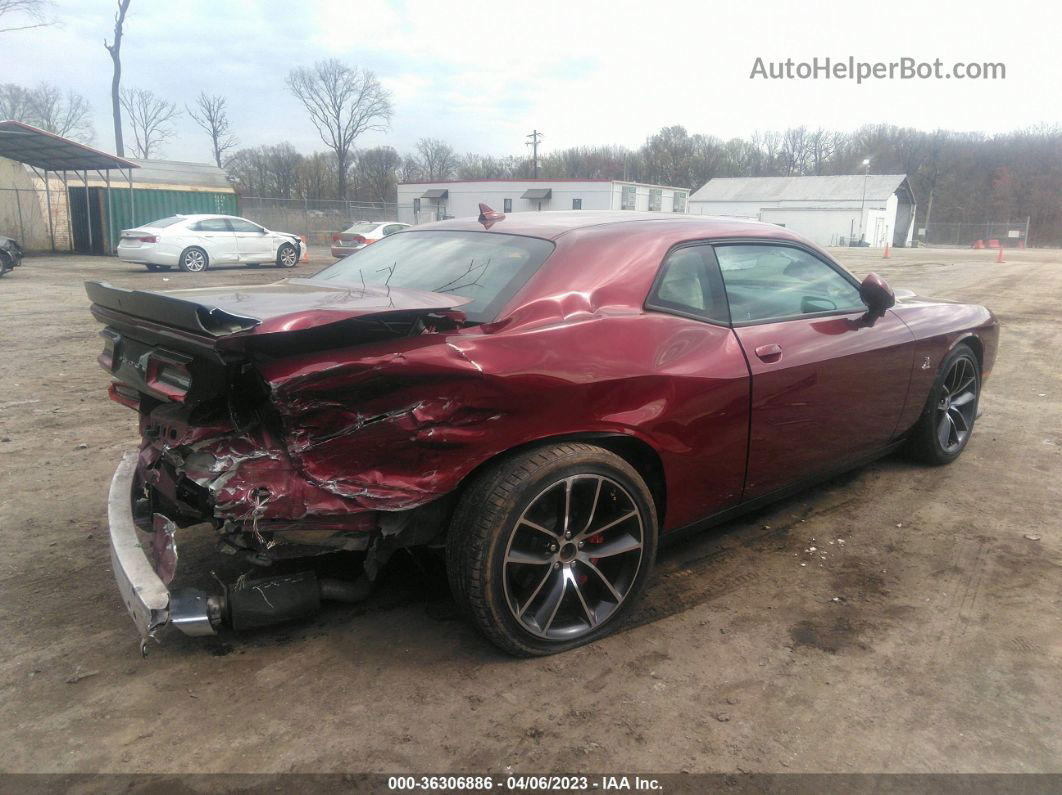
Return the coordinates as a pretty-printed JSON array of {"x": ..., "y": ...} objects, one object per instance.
[{"x": 488, "y": 268}]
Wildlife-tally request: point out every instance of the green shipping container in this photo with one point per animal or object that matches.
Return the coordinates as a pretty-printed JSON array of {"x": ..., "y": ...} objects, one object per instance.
[{"x": 127, "y": 212}]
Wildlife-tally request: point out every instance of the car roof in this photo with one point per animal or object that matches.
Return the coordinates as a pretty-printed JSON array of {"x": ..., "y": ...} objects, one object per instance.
[{"x": 553, "y": 224}]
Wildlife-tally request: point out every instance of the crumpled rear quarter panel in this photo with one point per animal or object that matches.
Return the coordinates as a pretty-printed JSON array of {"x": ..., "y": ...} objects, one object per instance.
[{"x": 393, "y": 426}]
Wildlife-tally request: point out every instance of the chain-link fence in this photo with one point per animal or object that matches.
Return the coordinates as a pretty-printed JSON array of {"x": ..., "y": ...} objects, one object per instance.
[
  {"x": 990, "y": 234},
  {"x": 24, "y": 216},
  {"x": 317, "y": 219}
]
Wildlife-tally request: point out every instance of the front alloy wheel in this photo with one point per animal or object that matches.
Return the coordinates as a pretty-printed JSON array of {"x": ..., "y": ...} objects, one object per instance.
[
  {"x": 287, "y": 256},
  {"x": 549, "y": 548},
  {"x": 947, "y": 420}
]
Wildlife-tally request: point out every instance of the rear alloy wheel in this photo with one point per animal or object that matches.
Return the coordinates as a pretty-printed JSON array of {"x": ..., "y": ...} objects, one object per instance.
[
  {"x": 550, "y": 548},
  {"x": 194, "y": 260},
  {"x": 287, "y": 256},
  {"x": 948, "y": 419}
]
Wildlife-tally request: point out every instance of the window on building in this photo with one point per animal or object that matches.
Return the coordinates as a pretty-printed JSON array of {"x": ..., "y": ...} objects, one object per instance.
[
  {"x": 507, "y": 206},
  {"x": 680, "y": 202},
  {"x": 656, "y": 200},
  {"x": 577, "y": 204},
  {"x": 629, "y": 197}
]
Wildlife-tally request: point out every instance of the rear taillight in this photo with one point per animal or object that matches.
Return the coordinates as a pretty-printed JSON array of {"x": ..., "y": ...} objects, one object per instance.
[
  {"x": 126, "y": 395},
  {"x": 148, "y": 239},
  {"x": 169, "y": 375},
  {"x": 336, "y": 237}
]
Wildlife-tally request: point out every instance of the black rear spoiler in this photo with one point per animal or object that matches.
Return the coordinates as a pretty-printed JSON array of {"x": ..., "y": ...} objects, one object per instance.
[{"x": 167, "y": 309}]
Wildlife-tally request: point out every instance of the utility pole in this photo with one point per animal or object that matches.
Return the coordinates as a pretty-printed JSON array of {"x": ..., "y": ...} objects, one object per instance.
[
  {"x": 535, "y": 137},
  {"x": 863, "y": 201}
]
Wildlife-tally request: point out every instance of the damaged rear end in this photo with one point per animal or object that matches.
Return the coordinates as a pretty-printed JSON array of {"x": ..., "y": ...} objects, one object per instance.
[{"x": 241, "y": 429}]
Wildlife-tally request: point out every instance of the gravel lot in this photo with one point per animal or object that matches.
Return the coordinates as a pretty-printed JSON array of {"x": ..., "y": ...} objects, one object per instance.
[{"x": 924, "y": 634}]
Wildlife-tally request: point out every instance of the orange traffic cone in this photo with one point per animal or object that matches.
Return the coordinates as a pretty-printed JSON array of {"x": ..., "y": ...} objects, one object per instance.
[
  {"x": 999, "y": 257},
  {"x": 886, "y": 255},
  {"x": 305, "y": 249}
]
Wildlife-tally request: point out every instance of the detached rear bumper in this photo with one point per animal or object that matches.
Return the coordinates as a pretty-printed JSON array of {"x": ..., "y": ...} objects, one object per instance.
[{"x": 150, "y": 603}]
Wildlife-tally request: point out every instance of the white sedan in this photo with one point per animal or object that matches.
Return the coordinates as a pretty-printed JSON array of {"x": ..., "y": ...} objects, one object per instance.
[{"x": 195, "y": 242}]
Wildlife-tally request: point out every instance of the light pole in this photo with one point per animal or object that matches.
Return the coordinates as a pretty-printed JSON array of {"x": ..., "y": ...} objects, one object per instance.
[{"x": 863, "y": 201}]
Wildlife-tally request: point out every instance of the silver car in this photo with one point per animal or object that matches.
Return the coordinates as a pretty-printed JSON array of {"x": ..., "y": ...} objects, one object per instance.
[{"x": 195, "y": 242}]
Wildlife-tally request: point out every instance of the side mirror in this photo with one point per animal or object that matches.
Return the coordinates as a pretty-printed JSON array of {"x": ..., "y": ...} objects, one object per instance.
[{"x": 877, "y": 295}]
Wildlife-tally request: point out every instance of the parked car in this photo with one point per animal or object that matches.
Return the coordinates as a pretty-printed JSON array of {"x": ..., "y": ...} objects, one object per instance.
[
  {"x": 10, "y": 254},
  {"x": 195, "y": 242},
  {"x": 543, "y": 396},
  {"x": 362, "y": 234}
]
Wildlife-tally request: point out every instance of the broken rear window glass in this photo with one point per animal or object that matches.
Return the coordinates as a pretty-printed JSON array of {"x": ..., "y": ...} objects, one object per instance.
[{"x": 487, "y": 267}]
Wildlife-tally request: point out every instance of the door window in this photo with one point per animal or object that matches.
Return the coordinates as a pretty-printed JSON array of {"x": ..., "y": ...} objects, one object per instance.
[
  {"x": 240, "y": 225},
  {"x": 772, "y": 282},
  {"x": 686, "y": 286},
  {"x": 390, "y": 229},
  {"x": 213, "y": 225}
]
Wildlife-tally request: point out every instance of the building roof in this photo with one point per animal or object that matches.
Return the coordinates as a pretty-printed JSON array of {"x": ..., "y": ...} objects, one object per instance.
[
  {"x": 50, "y": 152},
  {"x": 173, "y": 172},
  {"x": 535, "y": 180},
  {"x": 845, "y": 187},
  {"x": 553, "y": 224}
]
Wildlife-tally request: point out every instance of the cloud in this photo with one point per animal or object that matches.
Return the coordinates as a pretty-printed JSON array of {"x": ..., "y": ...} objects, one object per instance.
[{"x": 482, "y": 74}]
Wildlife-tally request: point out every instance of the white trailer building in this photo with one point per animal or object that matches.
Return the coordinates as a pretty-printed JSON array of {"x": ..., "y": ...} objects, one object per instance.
[
  {"x": 829, "y": 211},
  {"x": 421, "y": 202}
]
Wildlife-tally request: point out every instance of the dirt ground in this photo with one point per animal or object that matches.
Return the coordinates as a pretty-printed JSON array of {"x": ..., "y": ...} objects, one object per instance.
[{"x": 924, "y": 634}]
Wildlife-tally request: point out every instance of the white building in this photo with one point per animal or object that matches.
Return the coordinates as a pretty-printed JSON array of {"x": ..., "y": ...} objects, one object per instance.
[
  {"x": 829, "y": 211},
  {"x": 421, "y": 202}
]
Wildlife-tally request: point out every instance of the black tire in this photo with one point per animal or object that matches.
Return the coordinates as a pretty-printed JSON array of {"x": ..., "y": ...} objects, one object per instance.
[
  {"x": 490, "y": 518},
  {"x": 287, "y": 256},
  {"x": 944, "y": 428},
  {"x": 193, "y": 260}
]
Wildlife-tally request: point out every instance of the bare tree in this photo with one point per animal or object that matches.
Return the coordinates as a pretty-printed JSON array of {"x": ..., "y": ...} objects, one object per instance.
[
  {"x": 115, "y": 51},
  {"x": 376, "y": 173},
  {"x": 15, "y": 103},
  {"x": 34, "y": 14},
  {"x": 343, "y": 102},
  {"x": 151, "y": 118},
  {"x": 68, "y": 115},
  {"x": 212, "y": 115},
  {"x": 436, "y": 160},
  {"x": 47, "y": 107}
]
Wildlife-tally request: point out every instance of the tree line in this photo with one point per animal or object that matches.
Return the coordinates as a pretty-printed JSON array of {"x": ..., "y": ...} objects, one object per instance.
[{"x": 956, "y": 176}]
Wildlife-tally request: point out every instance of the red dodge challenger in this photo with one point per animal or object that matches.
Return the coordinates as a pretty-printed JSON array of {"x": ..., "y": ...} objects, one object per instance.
[{"x": 543, "y": 396}]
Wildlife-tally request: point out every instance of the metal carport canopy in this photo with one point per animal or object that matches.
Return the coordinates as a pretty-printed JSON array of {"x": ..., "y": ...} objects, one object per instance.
[{"x": 40, "y": 149}]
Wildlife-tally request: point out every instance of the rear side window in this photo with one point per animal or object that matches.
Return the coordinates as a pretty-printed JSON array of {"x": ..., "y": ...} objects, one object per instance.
[
  {"x": 688, "y": 284},
  {"x": 162, "y": 223},
  {"x": 360, "y": 229},
  {"x": 772, "y": 282}
]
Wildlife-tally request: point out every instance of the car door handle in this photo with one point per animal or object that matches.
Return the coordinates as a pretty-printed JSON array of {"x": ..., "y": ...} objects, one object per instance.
[{"x": 769, "y": 353}]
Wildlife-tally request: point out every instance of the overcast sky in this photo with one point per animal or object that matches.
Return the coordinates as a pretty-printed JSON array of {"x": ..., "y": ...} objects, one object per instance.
[{"x": 481, "y": 75}]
